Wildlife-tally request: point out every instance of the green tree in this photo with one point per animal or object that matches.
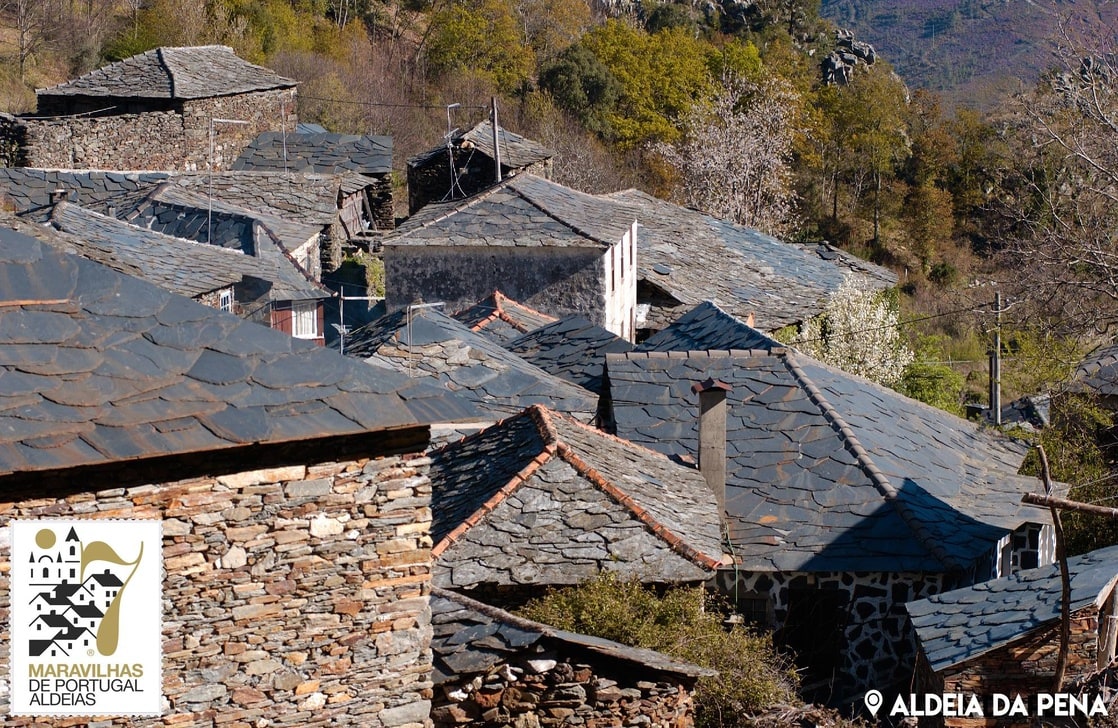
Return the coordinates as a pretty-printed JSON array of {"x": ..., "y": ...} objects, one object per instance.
[
  {"x": 928, "y": 379},
  {"x": 482, "y": 37},
  {"x": 661, "y": 75},
  {"x": 582, "y": 85}
]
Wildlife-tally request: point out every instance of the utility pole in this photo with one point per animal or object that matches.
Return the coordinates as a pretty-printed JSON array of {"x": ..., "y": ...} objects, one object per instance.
[
  {"x": 496, "y": 143},
  {"x": 996, "y": 364}
]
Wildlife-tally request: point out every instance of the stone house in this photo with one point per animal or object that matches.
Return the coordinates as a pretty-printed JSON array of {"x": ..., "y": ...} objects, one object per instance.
[
  {"x": 169, "y": 108},
  {"x": 687, "y": 257},
  {"x": 540, "y": 500},
  {"x": 554, "y": 249},
  {"x": 423, "y": 341},
  {"x": 530, "y": 674},
  {"x": 290, "y": 484},
  {"x": 466, "y": 163},
  {"x": 844, "y": 500},
  {"x": 1003, "y": 636},
  {"x": 501, "y": 318},
  {"x": 365, "y": 201},
  {"x": 214, "y": 276},
  {"x": 571, "y": 348}
]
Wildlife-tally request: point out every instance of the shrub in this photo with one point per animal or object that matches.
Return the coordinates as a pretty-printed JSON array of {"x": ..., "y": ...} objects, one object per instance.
[{"x": 682, "y": 623}]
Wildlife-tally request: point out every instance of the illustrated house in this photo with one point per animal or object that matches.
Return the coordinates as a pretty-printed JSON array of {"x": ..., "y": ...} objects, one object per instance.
[
  {"x": 546, "y": 246},
  {"x": 1003, "y": 636},
  {"x": 168, "y": 108},
  {"x": 466, "y": 164},
  {"x": 844, "y": 500},
  {"x": 289, "y": 480}
]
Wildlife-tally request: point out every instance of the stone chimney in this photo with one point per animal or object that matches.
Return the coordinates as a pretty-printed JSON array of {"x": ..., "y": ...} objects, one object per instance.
[
  {"x": 58, "y": 195},
  {"x": 712, "y": 437}
]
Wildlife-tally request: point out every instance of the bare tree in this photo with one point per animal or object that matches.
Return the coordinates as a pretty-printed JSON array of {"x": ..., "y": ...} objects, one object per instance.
[
  {"x": 1060, "y": 197},
  {"x": 29, "y": 20},
  {"x": 735, "y": 157}
]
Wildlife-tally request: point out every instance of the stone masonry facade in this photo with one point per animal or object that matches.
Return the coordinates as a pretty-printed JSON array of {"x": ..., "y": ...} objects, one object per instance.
[
  {"x": 549, "y": 690},
  {"x": 1024, "y": 667},
  {"x": 174, "y": 139},
  {"x": 878, "y": 645},
  {"x": 293, "y": 596}
]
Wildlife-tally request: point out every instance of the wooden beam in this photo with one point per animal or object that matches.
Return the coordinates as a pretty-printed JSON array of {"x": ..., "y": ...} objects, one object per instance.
[{"x": 1051, "y": 501}]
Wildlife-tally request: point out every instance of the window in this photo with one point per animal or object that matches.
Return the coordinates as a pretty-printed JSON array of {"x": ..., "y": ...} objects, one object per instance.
[
  {"x": 226, "y": 303},
  {"x": 304, "y": 319}
]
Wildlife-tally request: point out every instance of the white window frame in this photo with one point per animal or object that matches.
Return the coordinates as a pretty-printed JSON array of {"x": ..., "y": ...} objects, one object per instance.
[
  {"x": 225, "y": 300},
  {"x": 304, "y": 319}
]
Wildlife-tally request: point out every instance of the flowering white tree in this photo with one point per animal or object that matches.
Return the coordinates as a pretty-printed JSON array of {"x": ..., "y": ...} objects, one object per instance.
[
  {"x": 858, "y": 332},
  {"x": 735, "y": 158}
]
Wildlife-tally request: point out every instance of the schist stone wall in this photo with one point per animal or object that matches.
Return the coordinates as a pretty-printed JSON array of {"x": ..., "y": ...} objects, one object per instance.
[
  {"x": 1025, "y": 667},
  {"x": 293, "y": 596},
  {"x": 556, "y": 281},
  {"x": 545, "y": 690},
  {"x": 877, "y": 646},
  {"x": 165, "y": 139}
]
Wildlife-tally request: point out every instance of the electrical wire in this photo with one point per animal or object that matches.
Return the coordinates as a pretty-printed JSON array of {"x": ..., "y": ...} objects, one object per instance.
[{"x": 351, "y": 102}]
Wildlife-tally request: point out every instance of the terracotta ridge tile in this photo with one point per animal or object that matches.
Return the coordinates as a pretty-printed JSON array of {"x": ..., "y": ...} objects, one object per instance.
[
  {"x": 880, "y": 481},
  {"x": 667, "y": 535},
  {"x": 495, "y": 500},
  {"x": 484, "y": 322}
]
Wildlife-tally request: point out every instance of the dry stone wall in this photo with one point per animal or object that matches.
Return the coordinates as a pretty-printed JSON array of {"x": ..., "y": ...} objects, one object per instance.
[
  {"x": 547, "y": 690},
  {"x": 154, "y": 139},
  {"x": 293, "y": 596}
]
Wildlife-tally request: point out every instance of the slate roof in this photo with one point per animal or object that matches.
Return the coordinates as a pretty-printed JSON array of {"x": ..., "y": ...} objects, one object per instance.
[
  {"x": 318, "y": 152},
  {"x": 27, "y": 190},
  {"x": 963, "y": 624},
  {"x": 1098, "y": 372},
  {"x": 497, "y": 381},
  {"x": 301, "y": 198},
  {"x": 827, "y": 471},
  {"x": 566, "y": 501},
  {"x": 173, "y": 73},
  {"x": 176, "y": 265},
  {"x": 517, "y": 152},
  {"x": 706, "y": 327},
  {"x": 522, "y": 211},
  {"x": 693, "y": 257},
  {"x": 184, "y": 213},
  {"x": 98, "y": 367},
  {"x": 501, "y": 318},
  {"x": 571, "y": 348},
  {"x": 470, "y": 637}
]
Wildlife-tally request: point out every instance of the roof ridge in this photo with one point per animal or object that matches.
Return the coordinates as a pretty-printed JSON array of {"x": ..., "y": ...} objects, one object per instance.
[
  {"x": 542, "y": 419},
  {"x": 626, "y": 501},
  {"x": 501, "y": 299},
  {"x": 466, "y": 203},
  {"x": 527, "y": 198},
  {"x": 880, "y": 481},
  {"x": 163, "y": 61},
  {"x": 495, "y": 500}
]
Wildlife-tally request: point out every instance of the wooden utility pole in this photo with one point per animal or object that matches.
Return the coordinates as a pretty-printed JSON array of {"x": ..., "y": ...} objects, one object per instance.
[
  {"x": 496, "y": 143},
  {"x": 1065, "y": 578},
  {"x": 996, "y": 364}
]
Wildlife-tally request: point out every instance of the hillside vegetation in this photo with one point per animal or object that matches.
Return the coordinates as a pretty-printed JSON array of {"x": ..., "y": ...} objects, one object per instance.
[{"x": 974, "y": 52}]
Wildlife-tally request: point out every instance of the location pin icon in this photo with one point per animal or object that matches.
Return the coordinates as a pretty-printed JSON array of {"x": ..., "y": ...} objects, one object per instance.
[{"x": 873, "y": 701}]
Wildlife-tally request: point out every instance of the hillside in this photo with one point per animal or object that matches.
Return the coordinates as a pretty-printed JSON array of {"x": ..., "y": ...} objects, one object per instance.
[{"x": 973, "y": 51}]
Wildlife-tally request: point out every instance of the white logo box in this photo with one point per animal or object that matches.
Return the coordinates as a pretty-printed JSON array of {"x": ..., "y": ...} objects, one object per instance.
[{"x": 86, "y": 617}]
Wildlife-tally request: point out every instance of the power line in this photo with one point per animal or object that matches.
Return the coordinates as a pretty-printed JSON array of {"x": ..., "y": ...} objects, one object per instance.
[
  {"x": 899, "y": 324},
  {"x": 380, "y": 104}
]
